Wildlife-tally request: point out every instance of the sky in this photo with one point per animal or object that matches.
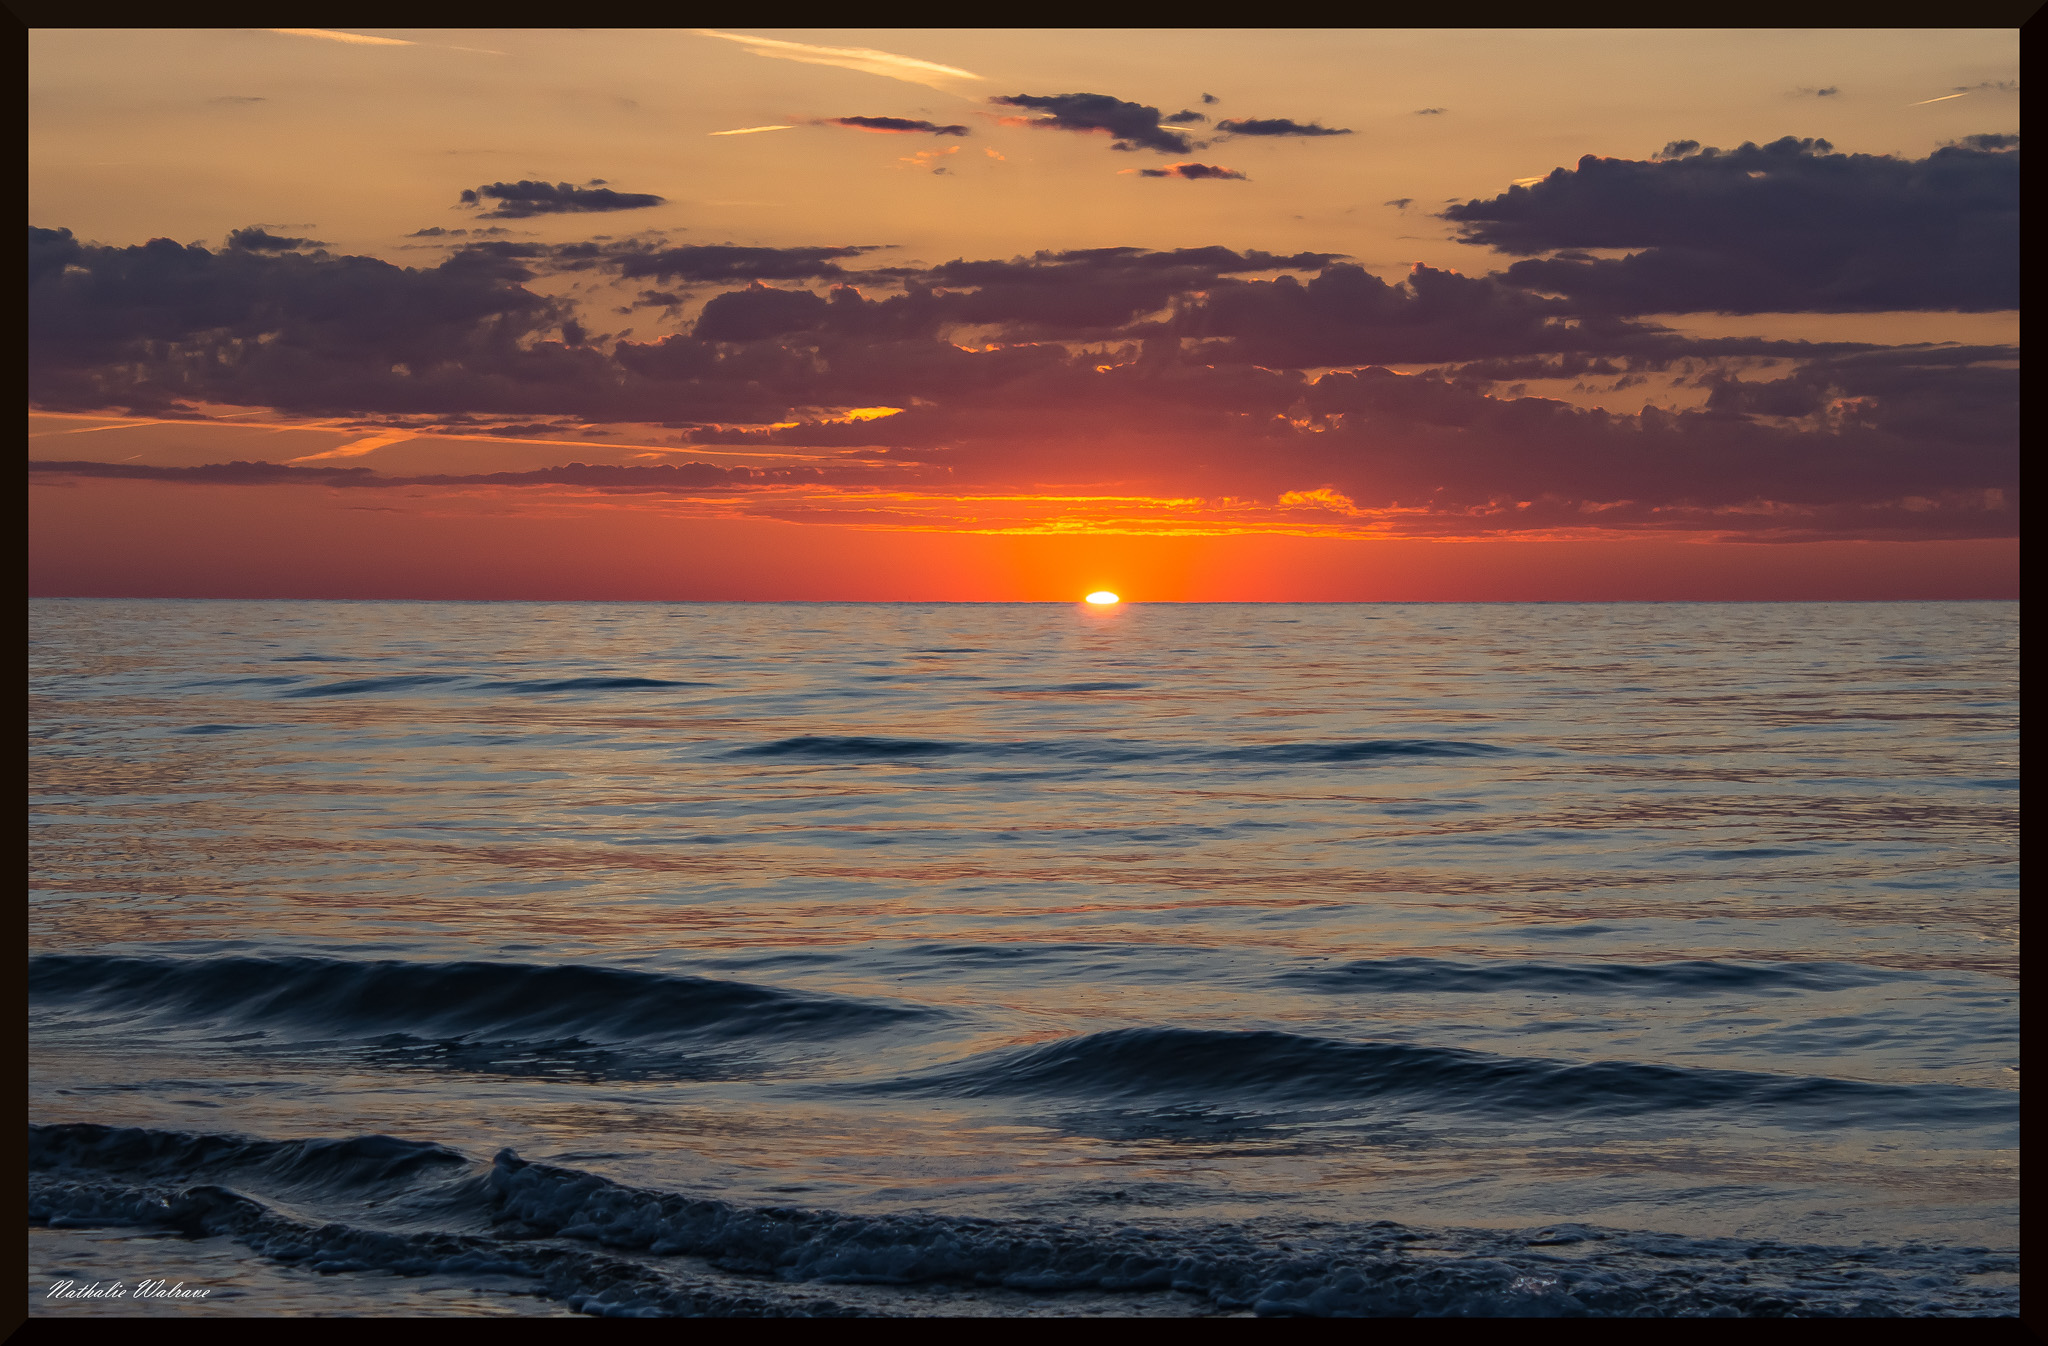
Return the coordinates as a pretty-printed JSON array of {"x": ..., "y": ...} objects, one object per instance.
[{"x": 1001, "y": 315}]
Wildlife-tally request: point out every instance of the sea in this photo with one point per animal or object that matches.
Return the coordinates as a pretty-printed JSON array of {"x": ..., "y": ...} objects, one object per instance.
[{"x": 1015, "y": 960}]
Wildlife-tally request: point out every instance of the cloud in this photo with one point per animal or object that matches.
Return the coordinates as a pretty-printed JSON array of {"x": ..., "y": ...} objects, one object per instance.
[
  {"x": 1367, "y": 451},
  {"x": 1278, "y": 126},
  {"x": 1965, "y": 90},
  {"x": 760, "y": 312},
  {"x": 358, "y": 448},
  {"x": 1400, "y": 202},
  {"x": 1193, "y": 172},
  {"x": 1430, "y": 111},
  {"x": 866, "y": 59},
  {"x": 363, "y": 40},
  {"x": 662, "y": 299},
  {"x": 726, "y": 262},
  {"x": 1184, "y": 117},
  {"x": 163, "y": 321},
  {"x": 1990, "y": 86},
  {"x": 1789, "y": 226},
  {"x": 523, "y": 200},
  {"x": 257, "y": 239},
  {"x": 1195, "y": 374},
  {"x": 238, "y": 473},
  {"x": 436, "y": 231},
  {"x": 658, "y": 477},
  {"x": 1804, "y": 92},
  {"x": 1209, "y": 98},
  {"x": 1081, "y": 292},
  {"x": 329, "y": 34},
  {"x": 1130, "y": 125},
  {"x": 238, "y": 98},
  {"x": 1345, "y": 315},
  {"x": 896, "y": 126}
]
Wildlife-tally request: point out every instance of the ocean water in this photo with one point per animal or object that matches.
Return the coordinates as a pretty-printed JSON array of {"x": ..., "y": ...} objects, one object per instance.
[{"x": 1025, "y": 959}]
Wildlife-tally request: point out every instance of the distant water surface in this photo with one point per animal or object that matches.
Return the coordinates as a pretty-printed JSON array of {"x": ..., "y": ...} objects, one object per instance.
[{"x": 1020, "y": 958}]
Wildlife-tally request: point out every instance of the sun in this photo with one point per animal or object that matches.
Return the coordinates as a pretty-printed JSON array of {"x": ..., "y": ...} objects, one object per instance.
[{"x": 1103, "y": 598}]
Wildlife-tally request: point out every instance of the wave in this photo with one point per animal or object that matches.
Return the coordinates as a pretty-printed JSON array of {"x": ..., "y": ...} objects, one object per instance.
[
  {"x": 1687, "y": 977},
  {"x": 406, "y": 682},
  {"x": 295, "y": 687},
  {"x": 1272, "y": 1068},
  {"x": 591, "y": 685},
  {"x": 411, "y": 1207},
  {"x": 280, "y": 680},
  {"x": 361, "y": 1166},
  {"x": 449, "y": 1013},
  {"x": 834, "y": 747},
  {"x": 615, "y": 1023},
  {"x": 362, "y": 686},
  {"x": 1360, "y": 752}
]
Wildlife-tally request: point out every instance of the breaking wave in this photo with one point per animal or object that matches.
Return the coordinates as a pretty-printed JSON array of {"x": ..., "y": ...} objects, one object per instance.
[{"x": 384, "y": 1204}]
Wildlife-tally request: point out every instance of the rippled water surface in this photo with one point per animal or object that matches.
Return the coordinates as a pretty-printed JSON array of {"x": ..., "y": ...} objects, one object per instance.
[{"x": 1618, "y": 958}]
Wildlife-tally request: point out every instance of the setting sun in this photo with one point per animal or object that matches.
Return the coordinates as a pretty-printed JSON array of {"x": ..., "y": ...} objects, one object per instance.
[{"x": 1103, "y": 597}]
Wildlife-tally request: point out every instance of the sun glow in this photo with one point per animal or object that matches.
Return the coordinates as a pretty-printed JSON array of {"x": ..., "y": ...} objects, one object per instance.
[{"x": 1103, "y": 598}]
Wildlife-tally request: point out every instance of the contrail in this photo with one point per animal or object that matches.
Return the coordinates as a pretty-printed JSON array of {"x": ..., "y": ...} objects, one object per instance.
[
  {"x": 333, "y": 36},
  {"x": 749, "y": 130},
  {"x": 1943, "y": 99},
  {"x": 887, "y": 63},
  {"x": 362, "y": 39}
]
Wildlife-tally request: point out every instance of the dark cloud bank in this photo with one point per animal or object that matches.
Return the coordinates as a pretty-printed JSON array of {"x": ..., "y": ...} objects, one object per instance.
[
  {"x": 1278, "y": 126},
  {"x": 1131, "y": 126},
  {"x": 258, "y": 239},
  {"x": 1767, "y": 228},
  {"x": 523, "y": 200},
  {"x": 1198, "y": 370},
  {"x": 1193, "y": 172},
  {"x": 896, "y": 126},
  {"x": 1135, "y": 126}
]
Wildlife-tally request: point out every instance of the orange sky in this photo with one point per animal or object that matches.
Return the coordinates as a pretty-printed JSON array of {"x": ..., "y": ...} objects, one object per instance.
[
  {"x": 1041, "y": 437},
  {"x": 113, "y": 539}
]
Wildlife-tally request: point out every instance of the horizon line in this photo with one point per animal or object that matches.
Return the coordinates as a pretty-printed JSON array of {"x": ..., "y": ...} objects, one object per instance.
[{"x": 1007, "y": 602}]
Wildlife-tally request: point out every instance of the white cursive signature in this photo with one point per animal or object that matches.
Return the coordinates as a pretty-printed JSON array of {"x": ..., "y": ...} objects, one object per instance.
[{"x": 144, "y": 1289}]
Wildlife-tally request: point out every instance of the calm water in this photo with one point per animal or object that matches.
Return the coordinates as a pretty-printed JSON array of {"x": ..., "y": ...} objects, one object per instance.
[{"x": 1619, "y": 958}]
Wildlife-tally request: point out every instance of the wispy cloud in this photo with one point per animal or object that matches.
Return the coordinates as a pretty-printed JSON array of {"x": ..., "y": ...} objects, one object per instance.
[
  {"x": 866, "y": 59},
  {"x": 332, "y": 36},
  {"x": 356, "y": 449},
  {"x": 929, "y": 159},
  {"x": 750, "y": 130},
  {"x": 94, "y": 429},
  {"x": 365, "y": 40}
]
